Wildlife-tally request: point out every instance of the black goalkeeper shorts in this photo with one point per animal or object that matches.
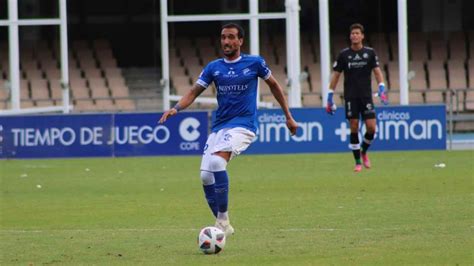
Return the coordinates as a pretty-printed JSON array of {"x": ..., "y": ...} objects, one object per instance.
[{"x": 359, "y": 107}]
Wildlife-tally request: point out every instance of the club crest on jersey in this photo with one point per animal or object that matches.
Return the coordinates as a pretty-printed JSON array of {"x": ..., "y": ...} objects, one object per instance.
[
  {"x": 231, "y": 73},
  {"x": 365, "y": 55}
]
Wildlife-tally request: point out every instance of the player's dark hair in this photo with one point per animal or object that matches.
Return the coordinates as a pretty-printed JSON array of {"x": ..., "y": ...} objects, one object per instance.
[
  {"x": 356, "y": 26},
  {"x": 240, "y": 33}
]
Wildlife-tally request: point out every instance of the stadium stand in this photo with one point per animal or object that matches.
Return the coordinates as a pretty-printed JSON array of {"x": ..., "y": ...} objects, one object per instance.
[
  {"x": 40, "y": 89},
  {"x": 339, "y": 42},
  {"x": 394, "y": 96},
  {"x": 435, "y": 96},
  {"x": 96, "y": 82},
  {"x": 416, "y": 97},
  {"x": 312, "y": 99},
  {"x": 437, "y": 78},
  {"x": 469, "y": 100},
  {"x": 417, "y": 45},
  {"x": 438, "y": 47},
  {"x": 438, "y": 62},
  {"x": 457, "y": 74},
  {"x": 393, "y": 76},
  {"x": 436, "y": 65},
  {"x": 379, "y": 42},
  {"x": 458, "y": 46},
  {"x": 418, "y": 73},
  {"x": 314, "y": 77}
]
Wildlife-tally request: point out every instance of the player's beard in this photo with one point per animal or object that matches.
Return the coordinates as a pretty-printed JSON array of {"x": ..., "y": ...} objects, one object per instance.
[{"x": 229, "y": 53}]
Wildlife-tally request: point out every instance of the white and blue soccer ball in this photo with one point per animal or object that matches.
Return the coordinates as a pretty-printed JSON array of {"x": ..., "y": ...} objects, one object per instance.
[{"x": 211, "y": 240}]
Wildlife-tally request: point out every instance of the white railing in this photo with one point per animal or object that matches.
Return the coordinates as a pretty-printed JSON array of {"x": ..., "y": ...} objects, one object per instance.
[
  {"x": 292, "y": 42},
  {"x": 13, "y": 23}
]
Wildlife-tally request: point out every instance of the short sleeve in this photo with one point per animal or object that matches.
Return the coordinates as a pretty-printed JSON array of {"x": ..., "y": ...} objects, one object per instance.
[
  {"x": 339, "y": 63},
  {"x": 262, "y": 69},
  {"x": 205, "y": 78},
  {"x": 375, "y": 60}
]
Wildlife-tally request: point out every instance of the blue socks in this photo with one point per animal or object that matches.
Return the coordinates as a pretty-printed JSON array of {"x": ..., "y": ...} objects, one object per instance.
[
  {"x": 221, "y": 190},
  {"x": 210, "y": 193},
  {"x": 216, "y": 185}
]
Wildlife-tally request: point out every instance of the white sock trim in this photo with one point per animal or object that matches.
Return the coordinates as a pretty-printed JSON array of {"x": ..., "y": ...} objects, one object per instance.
[
  {"x": 223, "y": 216},
  {"x": 354, "y": 146}
]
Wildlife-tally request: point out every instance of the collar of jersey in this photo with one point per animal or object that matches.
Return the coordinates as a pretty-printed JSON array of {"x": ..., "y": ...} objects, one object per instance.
[
  {"x": 350, "y": 47},
  {"x": 233, "y": 61}
]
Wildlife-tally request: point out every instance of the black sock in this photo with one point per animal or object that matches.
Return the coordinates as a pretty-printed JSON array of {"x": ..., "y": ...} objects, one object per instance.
[
  {"x": 368, "y": 137},
  {"x": 355, "y": 146}
]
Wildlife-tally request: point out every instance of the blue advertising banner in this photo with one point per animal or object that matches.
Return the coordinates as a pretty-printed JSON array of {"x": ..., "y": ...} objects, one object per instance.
[
  {"x": 139, "y": 134},
  {"x": 97, "y": 135},
  {"x": 398, "y": 128}
]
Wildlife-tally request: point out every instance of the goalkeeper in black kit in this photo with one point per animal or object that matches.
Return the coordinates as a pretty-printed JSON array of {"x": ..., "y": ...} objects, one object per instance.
[{"x": 357, "y": 62}]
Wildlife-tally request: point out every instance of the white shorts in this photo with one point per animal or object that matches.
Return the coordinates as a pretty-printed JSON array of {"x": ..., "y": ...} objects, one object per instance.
[{"x": 234, "y": 140}]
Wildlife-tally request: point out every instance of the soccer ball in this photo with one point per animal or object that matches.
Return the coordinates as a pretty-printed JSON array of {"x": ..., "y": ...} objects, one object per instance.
[{"x": 211, "y": 240}]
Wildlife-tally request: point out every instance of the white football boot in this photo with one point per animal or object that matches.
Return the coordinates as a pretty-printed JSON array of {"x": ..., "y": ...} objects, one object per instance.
[{"x": 225, "y": 226}]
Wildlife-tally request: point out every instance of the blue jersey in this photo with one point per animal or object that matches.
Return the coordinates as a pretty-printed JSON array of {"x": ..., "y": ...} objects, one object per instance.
[{"x": 236, "y": 84}]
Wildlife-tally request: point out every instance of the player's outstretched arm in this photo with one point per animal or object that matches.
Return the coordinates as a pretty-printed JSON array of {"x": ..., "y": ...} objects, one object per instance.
[
  {"x": 277, "y": 92},
  {"x": 183, "y": 103}
]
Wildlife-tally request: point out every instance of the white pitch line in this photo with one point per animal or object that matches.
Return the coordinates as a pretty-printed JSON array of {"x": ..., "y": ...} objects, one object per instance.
[
  {"x": 34, "y": 166},
  {"x": 25, "y": 231},
  {"x": 155, "y": 229},
  {"x": 96, "y": 230},
  {"x": 307, "y": 229}
]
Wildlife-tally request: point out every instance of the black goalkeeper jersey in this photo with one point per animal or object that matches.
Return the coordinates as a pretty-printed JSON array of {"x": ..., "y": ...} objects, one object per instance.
[{"x": 357, "y": 67}]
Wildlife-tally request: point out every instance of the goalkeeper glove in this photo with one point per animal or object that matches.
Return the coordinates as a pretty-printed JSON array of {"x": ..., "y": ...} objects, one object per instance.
[
  {"x": 383, "y": 97},
  {"x": 331, "y": 106}
]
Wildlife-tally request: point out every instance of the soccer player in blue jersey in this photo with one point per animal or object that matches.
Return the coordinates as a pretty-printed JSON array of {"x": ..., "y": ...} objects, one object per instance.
[{"x": 235, "y": 77}]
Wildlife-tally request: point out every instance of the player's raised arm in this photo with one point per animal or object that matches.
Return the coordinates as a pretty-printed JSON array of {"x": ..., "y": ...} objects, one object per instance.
[
  {"x": 184, "y": 102},
  {"x": 277, "y": 92}
]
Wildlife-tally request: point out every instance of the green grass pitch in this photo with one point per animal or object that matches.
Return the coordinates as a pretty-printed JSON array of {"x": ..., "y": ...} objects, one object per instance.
[{"x": 307, "y": 209}]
